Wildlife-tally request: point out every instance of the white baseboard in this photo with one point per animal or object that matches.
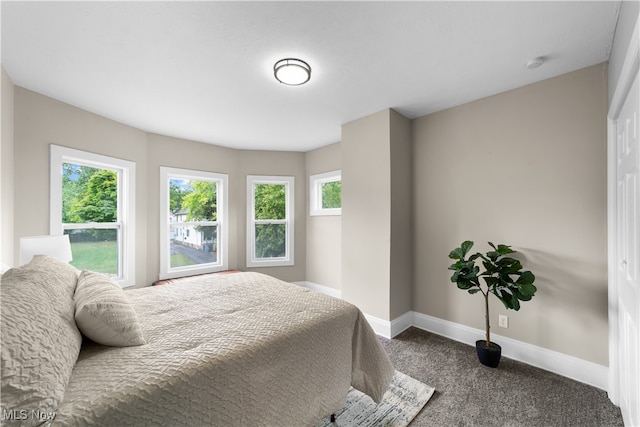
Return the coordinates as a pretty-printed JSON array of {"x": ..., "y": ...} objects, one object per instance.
[
  {"x": 562, "y": 364},
  {"x": 387, "y": 329},
  {"x": 402, "y": 323},
  {"x": 549, "y": 360},
  {"x": 379, "y": 326},
  {"x": 320, "y": 288}
]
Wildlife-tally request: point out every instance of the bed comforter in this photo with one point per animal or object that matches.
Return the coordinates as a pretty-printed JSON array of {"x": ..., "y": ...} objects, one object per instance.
[{"x": 241, "y": 349}]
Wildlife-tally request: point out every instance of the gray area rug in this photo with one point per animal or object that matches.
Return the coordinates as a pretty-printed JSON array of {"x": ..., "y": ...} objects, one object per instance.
[{"x": 401, "y": 403}]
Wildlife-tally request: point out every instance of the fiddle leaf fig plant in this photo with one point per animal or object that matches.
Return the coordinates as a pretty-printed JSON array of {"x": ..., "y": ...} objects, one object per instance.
[{"x": 502, "y": 276}]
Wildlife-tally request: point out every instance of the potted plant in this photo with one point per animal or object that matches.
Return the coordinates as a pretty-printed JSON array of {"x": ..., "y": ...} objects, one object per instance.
[{"x": 502, "y": 277}]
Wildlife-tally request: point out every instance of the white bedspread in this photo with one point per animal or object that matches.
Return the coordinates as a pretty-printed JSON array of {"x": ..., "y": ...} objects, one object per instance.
[{"x": 241, "y": 349}]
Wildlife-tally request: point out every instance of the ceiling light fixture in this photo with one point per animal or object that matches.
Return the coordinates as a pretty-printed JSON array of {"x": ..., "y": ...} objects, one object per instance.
[{"x": 292, "y": 71}]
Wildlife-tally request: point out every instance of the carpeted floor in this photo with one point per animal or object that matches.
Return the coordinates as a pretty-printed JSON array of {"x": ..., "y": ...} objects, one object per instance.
[{"x": 514, "y": 394}]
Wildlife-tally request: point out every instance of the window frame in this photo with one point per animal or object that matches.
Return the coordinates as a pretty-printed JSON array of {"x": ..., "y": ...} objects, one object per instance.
[
  {"x": 222, "y": 210},
  {"x": 125, "y": 224},
  {"x": 289, "y": 258},
  {"x": 315, "y": 193}
]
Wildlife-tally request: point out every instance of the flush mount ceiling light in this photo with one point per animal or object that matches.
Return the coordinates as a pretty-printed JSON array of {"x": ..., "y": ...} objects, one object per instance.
[{"x": 292, "y": 71}]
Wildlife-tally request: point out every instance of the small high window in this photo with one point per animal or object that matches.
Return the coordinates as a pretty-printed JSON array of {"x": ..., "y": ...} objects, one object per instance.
[{"x": 325, "y": 193}]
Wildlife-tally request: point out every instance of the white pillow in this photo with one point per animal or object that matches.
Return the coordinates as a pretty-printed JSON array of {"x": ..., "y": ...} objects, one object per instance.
[
  {"x": 40, "y": 340},
  {"x": 104, "y": 313}
]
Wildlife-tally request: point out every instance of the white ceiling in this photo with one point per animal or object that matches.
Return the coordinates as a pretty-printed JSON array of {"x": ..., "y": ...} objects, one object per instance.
[{"x": 204, "y": 70}]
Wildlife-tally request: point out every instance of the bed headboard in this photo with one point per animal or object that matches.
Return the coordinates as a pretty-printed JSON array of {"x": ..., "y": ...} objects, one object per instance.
[{"x": 57, "y": 247}]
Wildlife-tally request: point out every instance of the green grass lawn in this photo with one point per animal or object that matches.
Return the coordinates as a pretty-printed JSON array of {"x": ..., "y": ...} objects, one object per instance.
[
  {"x": 103, "y": 257},
  {"x": 95, "y": 256},
  {"x": 179, "y": 260}
]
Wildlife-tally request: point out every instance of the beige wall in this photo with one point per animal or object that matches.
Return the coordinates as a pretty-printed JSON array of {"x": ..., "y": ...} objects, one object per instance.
[
  {"x": 324, "y": 233},
  {"x": 6, "y": 172},
  {"x": 376, "y": 226},
  {"x": 366, "y": 226},
  {"x": 525, "y": 168},
  {"x": 41, "y": 121},
  {"x": 401, "y": 255}
]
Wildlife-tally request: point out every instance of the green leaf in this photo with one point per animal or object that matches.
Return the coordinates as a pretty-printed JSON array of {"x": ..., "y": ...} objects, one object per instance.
[
  {"x": 506, "y": 280},
  {"x": 474, "y": 291},
  {"x": 461, "y": 252},
  {"x": 455, "y": 254},
  {"x": 526, "y": 278},
  {"x": 466, "y": 246},
  {"x": 456, "y": 265},
  {"x": 527, "y": 291},
  {"x": 504, "y": 250},
  {"x": 512, "y": 268},
  {"x": 475, "y": 270},
  {"x": 491, "y": 281},
  {"x": 490, "y": 267},
  {"x": 506, "y": 261},
  {"x": 508, "y": 300},
  {"x": 464, "y": 284}
]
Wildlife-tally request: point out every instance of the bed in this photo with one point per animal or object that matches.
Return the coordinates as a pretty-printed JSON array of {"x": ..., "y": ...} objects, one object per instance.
[{"x": 235, "y": 349}]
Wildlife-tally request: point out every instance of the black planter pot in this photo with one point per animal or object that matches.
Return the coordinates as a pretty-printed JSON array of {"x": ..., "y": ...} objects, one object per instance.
[{"x": 488, "y": 356}]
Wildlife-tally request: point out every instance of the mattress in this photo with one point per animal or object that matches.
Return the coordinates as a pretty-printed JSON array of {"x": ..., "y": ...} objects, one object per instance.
[{"x": 228, "y": 350}]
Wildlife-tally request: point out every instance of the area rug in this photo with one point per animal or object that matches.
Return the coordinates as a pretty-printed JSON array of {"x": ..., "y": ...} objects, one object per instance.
[{"x": 401, "y": 403}]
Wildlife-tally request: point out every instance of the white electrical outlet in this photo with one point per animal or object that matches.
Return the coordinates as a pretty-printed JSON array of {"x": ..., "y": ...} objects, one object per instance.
[{"x": 503, "y": 321}]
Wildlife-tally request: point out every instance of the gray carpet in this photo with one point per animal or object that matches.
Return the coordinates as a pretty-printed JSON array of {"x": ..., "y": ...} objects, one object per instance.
[{"x": 514, "y": 394}]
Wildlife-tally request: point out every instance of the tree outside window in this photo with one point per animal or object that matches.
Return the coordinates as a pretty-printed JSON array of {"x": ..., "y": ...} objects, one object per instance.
[
  {"x": 193, "y": 203},
  {"x": 332, "y": 195},
  {"x": 325, "y": 193},
  {"x": 194, "y": 233},
  {"x": 90, "y": 216},
  {"x": 270, "y": 221},
  {"x": 270, "y": 204},
  {"x": 93, "y": 202}
]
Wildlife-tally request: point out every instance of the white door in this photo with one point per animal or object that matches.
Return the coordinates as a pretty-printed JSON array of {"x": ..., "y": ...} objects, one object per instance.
[{"x": 628, "y": 253}]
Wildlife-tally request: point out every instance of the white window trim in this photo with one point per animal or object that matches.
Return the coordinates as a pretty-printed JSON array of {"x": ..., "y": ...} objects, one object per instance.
[
  {"x": 126, "y": 171},
  {"x": 315, "y": 193},
  {"x": 288, "y": 182},
  {"x": 222, "y": 263}
]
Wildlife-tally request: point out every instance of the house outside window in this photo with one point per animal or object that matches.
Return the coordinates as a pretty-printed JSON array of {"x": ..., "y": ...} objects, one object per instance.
[
  {"x": 325, "y": 193},
  {"x": 270, "y": 221},
  {"x": 93, "y": 201},
  {"x": 193, "y": 221}
]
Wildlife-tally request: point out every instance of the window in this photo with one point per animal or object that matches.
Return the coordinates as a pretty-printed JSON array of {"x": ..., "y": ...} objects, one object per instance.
[
  {"x": 193, "y": 221},
  {"x": 326, "y": 193},
  {"x": 270, "y": 221},
  {"x": 93, "y": 201}
]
